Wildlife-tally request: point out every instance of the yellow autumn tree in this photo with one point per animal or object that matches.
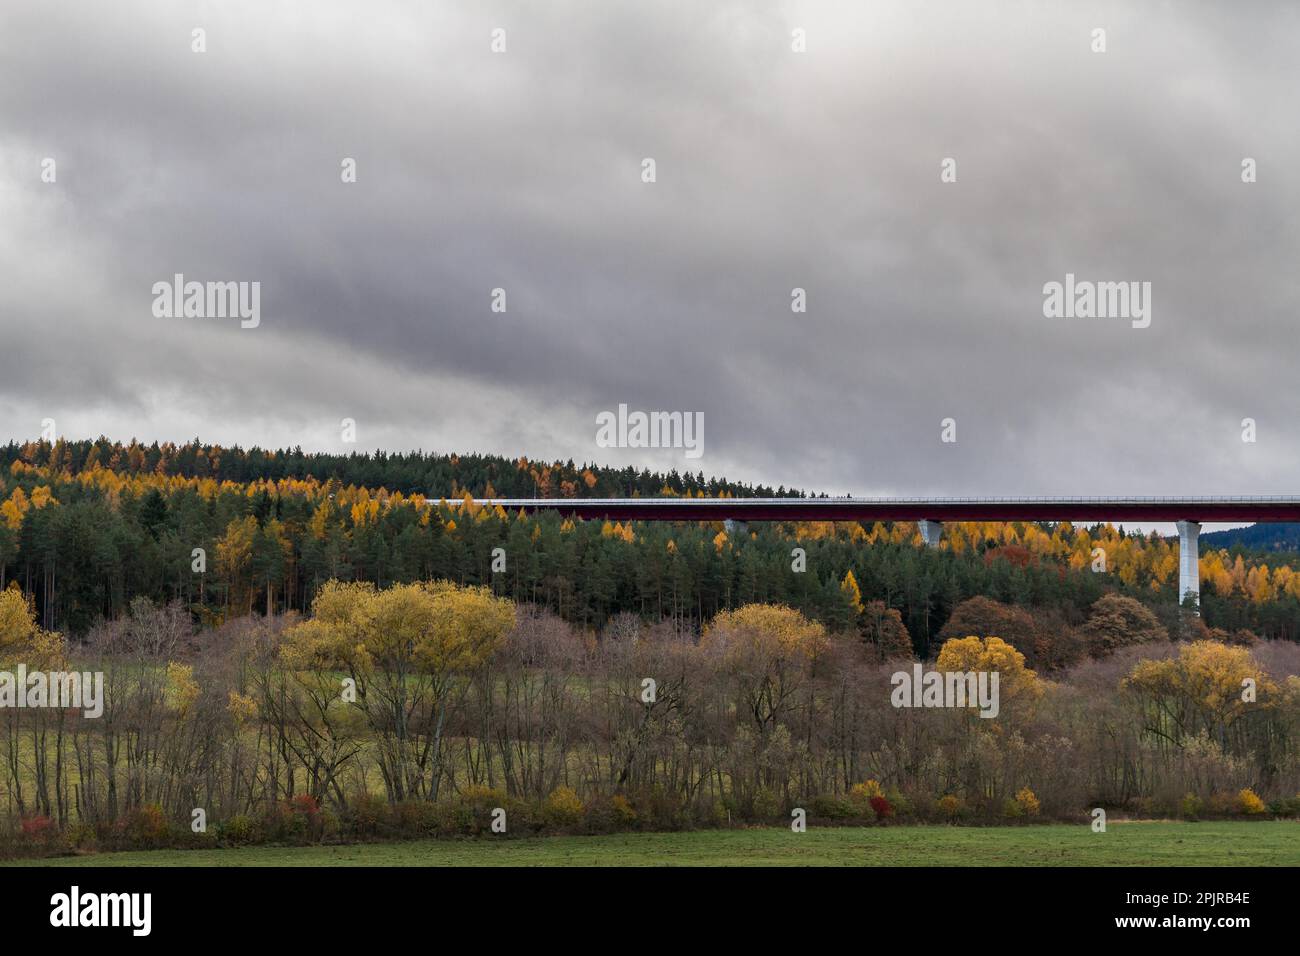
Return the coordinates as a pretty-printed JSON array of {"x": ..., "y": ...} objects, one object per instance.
[
  {"x": 17, "y": 620},
  {"x": 767, "y": 651},
  {"x": 1017, "y": 684},
  {"x": 234, "y": 555},
  {"x": 852, "y": 594},
  {"x": 19, "y": 634},
  {"x": 1200, "y": 691},
  {"x": 1258, "y": 586},
  {"x": 182, "y": 688},
  {"x": 781, "y": 629},
  {"x": 408, "y": 651},
  {"x": 13, "y": 510}
]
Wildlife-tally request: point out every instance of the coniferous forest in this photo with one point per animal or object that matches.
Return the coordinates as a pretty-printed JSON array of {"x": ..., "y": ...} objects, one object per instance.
[{"x": 88, "y": 526}]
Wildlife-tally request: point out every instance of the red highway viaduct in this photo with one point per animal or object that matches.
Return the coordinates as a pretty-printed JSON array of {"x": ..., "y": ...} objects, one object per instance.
[{"x": 1188, "y": 514}]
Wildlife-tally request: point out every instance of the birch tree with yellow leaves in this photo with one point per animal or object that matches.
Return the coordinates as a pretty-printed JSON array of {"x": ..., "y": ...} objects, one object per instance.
[{"x": 409, "y": 651}]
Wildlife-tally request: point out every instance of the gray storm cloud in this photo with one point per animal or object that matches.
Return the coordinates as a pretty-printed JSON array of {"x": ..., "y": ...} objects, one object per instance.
[{"x": 775, "y": 170}]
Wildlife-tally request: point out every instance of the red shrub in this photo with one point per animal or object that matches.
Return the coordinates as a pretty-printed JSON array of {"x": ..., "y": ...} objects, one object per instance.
[
  {"x": 882, "y": 807},
  {"x": 37, "y": 827},
  {"x": 145, "y": 826},
  {"x": 307, "y": 805}
]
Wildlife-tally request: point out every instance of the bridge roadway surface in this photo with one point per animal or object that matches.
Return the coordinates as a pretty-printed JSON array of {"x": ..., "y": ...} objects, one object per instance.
[{"x": 1117, "y": 510}]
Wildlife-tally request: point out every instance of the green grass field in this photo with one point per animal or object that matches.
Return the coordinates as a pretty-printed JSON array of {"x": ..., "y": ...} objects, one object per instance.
[{"x": 1264, "y": 843}]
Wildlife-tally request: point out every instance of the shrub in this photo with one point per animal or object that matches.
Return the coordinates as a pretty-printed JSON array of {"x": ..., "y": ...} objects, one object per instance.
[
  {"x": 145, "y": 826},
  {"x": 863, "y": 792},
  {"x": 1249, "y": 803},
  {"x": 297, "y": 820},
  {"x": 481, "y": 798},
  {"x": 833, "y": 808},
  {"x": 1027, "y": 802},
  {"x": 305, "y": 805},
  {"x": 239, "y": 830},
  {"x": 1220, "y": 804},
  {"x": 882, "y": 807},
  {"x": 899, "y": 804},
  {"x": 416, "y": 818},
  {"x": 330, "y": 826},
  {"x": 563, "y": 807},
  {"x": 448, "y": 818},
  {"x": 279, "y": 826},
  {"x": 366, "y": 815},
  {"x": 1191, "y": 807},
  {"x": 523, "y": 816},
  {"x": 623, "y": 810},
  {"x": 610, "y": 814},
  {"x": 950, "y": 806},
  {"x": 38, "y": 828},
  {"x": 766, "y": 804},
  {"x": 471, "y": 812},
  {"x": 82, "y": 836},
  {"x": 720, "y": 813},
  {"x": 660, "y": 809}
]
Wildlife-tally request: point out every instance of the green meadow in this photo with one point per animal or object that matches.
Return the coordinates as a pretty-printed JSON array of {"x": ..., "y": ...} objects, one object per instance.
[{"x": 1163, "y": 843}]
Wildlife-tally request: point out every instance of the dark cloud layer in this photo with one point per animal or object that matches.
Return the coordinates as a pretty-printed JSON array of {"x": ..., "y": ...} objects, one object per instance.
[{"x": 775, "y": 170}]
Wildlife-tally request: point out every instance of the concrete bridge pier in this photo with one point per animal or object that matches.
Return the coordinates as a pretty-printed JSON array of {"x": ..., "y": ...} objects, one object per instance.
[
  {"x": 734, "y": 527},
  {"x": 1189, "y": 558},
  {"x": 931, "y": 532}
]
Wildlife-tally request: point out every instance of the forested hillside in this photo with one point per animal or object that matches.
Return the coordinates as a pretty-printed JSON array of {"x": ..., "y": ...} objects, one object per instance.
[
  {"x": 85, "y": 527},
  {"x": 1283, "y": 536}
]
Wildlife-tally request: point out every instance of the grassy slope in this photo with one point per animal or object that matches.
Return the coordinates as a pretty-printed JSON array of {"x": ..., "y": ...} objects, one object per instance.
[{"x": 1263, "y": 843}]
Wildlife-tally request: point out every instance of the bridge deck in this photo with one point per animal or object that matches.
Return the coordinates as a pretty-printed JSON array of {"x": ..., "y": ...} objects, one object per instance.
[{"x": 1118, "y": 510}]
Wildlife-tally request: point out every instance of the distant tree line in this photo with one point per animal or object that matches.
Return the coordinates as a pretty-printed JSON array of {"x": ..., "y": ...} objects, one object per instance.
[{"x": 437, "y": 475}]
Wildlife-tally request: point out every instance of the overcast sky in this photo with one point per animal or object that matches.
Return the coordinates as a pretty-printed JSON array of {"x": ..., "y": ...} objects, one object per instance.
[{"x": 775, "y": 169}]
